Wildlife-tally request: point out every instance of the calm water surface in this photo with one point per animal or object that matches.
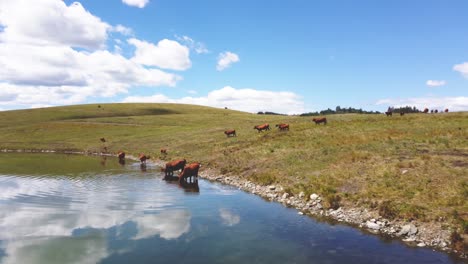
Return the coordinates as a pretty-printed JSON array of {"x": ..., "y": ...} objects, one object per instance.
[{"x": 78, "y": 209}]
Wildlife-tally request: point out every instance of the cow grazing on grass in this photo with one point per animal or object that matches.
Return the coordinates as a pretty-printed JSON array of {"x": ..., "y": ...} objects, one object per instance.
[
  {"x": 446, "y": 110},
  {"x": 262, "y": 127},
  {"x": 174, "y": 166},
  {"x": 230, "y": 133},
  {"x": 426, "y": 110},
  {"x": 189, "y": 174},
  {"x": 388, "y": 113},
  {"x": 142, "y": 157},
  {"x": 102, "y": 140},
  {"x": 282, "y": 127},
  {"x": 164, "y": 151},
  {"x": 320, "y": 120}
]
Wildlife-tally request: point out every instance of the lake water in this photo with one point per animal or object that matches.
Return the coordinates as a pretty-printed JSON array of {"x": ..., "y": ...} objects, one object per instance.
[{"x": 78, "y": 209}]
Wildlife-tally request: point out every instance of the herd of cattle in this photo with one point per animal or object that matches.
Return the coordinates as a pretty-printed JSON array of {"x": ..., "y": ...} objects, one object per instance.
[{"x": 189, "y": 173}]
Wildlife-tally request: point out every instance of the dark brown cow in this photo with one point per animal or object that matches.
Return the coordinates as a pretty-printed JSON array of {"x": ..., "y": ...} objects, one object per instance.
[
  {"x": 121, "y": 156},
  {"x": 190, "y": 171},
  {"x": 432, "y": 111},
  {"x": 320, "y": 120},
  {"x": 426, "y": 110},
  {"x": 446, "y": 110},
  {"x": 164, "y": 151},
  {"x": 282, "y": 126},
  {"x": 174, "y": 166},
  {"x": 388, "y": 113},
  {"x": 262, "y": 127},
  {"x": 102, "y": 140},
  {"x": 436, "y": 111},
  {"x": 142, "y": 157},
  {"x": 230, "y": 133},
  {"x": 402, "y": 113}
]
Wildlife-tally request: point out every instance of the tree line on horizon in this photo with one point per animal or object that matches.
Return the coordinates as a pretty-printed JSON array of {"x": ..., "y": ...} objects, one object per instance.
[{"x": 350, "y": 110}]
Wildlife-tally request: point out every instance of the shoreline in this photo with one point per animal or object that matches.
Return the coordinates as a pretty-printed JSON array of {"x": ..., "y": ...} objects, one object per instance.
[{"x": 415, "y": 233}]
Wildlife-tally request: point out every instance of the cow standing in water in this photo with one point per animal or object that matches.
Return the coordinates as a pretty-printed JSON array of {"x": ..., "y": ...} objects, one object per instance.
[
  {"x": 173, "y": 166},
  {"x": 262, "y": 127},
  {"x": 121, "y": 156},
  {"x": 320, "y": 120},
  {"x": 230, "y": 133},
  {"x": 142, "y": 157},
  {"x": 189, "y": 174}
]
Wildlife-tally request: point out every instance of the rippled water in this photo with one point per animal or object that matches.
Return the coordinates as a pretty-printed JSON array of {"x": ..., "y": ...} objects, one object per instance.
[{"x": 77, "y": 209}]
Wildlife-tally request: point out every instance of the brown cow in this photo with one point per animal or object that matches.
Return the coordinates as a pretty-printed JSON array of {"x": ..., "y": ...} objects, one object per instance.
[
  {"x": 320, "y": 120},
  {"x": 230, "y": 133},
  {"x": 142, "y": 157},
  {"x": 190, "y": 171},
  {"x": 121, "y": 156},
  {"x": 164, "y": 151},
  {"x": 282, "y": 126},
  {"x": 426, "y": 110},
  {"x": 174, "y": 166},
  {"x": 262, "y": 127},
  {"x": 388, "y": 113},
  {"x": 102, "y": 140},
  {"x": 446, "y": 110}
]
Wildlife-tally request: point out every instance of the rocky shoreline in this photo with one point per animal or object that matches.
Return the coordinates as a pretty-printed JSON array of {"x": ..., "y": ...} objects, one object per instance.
[{"x": 414, "y": 233}]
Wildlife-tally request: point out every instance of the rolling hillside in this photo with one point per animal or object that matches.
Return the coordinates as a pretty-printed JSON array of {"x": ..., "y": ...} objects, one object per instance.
[{"x": 412, "y": 167}]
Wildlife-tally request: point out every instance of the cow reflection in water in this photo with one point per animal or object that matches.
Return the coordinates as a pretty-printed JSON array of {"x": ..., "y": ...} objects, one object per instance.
[{"x": 143, "y": 167}]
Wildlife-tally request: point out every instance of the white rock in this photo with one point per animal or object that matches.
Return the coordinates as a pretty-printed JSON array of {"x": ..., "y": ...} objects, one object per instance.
[
  {"x": 372, "y": 225},
  {"x": 422, "y": 244},
  {"x": 272, "y": 187},
  {"x": 301, "y": 195},
  {"x": 404, "y": 171},
  {"x": 300, "y": 213},
  {"x": 285, "y": 195},
  {"x": 314, "y": 197}
]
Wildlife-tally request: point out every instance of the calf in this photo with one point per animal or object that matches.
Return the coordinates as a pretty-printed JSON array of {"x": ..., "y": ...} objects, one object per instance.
[
  {"x": 262, "y": 127},
  {"x": 189, "y": 174},
  {"x": 320, "y": 120},
  {"x": 174, "y": 166},
  {"x": 230, "y": 133}
]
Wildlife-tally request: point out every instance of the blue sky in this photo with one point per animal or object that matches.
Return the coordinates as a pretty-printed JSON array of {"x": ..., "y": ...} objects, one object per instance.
[{"x": 282, "y": 56}]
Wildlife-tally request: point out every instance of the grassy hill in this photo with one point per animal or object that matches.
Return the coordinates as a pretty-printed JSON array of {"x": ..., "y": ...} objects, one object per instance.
[{"x": 413, "y": 166}]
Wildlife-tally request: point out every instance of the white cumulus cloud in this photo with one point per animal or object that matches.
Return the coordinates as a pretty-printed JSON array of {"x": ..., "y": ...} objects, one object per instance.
[
  {"x": 462, "y": 68},
  {"x": 51, "y": 22},
  {"x": 226, "y": 59},
  {"x": 459, "y": 103},
  {"x": 248, "y": 100},
  {"x": 167, "y": 54},
  {"x": 54, "y": 54},
  {"x": 137, "y": 3},
  {"x": 435, "y": 83}
]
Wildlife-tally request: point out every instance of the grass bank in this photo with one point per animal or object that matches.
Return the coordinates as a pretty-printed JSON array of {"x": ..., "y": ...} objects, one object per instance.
[{"x": 407, "y": 167}]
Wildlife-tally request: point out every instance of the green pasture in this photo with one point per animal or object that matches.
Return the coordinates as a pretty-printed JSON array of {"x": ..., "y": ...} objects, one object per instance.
[{"x": 411, "y": 167}]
